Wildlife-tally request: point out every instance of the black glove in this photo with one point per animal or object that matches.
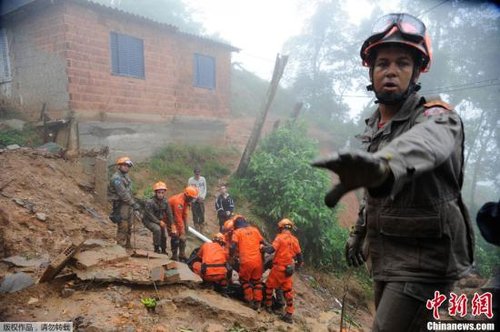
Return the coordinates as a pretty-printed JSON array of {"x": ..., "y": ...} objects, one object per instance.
[
  {"x": 355, "y": 169},
  {"x": 354, "y": 246},
  {"x": 136, "y": 206}
]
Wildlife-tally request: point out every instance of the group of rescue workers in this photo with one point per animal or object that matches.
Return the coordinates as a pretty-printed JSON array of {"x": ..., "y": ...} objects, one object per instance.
[{"x": 239, "y": 246}]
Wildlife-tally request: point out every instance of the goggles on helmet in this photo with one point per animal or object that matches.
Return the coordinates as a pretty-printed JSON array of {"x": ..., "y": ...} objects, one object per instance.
[
  {"x": 409, "y": 29},
  {"x": 409, "y": 26}
]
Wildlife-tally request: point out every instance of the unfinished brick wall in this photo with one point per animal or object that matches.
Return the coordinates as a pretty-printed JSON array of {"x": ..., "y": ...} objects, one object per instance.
[
  {"x": 36, "y": 43},
  {"x": 167, "y": 89}
]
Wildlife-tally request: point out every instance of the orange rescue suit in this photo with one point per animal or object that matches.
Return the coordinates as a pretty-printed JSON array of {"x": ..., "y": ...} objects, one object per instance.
[
  {"x": 215, "y": 258},
  {"x": 248, "y": 240},
  {"x": 180, "y": 211},
  {"x": 286, "y": 248}
]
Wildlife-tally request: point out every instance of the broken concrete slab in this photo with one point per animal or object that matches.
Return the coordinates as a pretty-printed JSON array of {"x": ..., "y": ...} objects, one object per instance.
[
  {"x": 94, "y": 243},
  {"x": 145, "y": 253},
  {"x": 16, "y": 281},
  {"x": 139, "y": 270},
  {"x": 21, "y": 261},
  {"x": 99, "y": 256},
  {"x": 210, "y": 304}
]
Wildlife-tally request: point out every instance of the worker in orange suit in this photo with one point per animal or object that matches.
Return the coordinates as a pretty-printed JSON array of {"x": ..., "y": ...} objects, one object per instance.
[
  {"x": 245, "y": 247},
  {"x": 210, "y": 263},
  {"x": 179, "y": 204},
  {"x": 228, "y": 230},
  {"x": 287, "y": 256}
]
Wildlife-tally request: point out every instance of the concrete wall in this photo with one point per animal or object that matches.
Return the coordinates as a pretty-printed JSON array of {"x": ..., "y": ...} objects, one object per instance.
[
  {"x": 141, "y": 141},
  {"x": 38, "y": 64}
]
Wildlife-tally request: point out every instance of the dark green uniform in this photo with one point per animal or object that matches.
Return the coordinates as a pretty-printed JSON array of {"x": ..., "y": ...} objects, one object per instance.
[
  {"x": 419, "y": 239},
  {"x": 120, "y": 194},
  {"x": 154, "y": 211}
]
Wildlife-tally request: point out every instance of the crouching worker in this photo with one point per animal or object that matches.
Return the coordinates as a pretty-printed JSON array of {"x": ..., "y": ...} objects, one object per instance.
[
  {"x": 157, "y": 215},
  {"x": 210, "y": 263},
  {"x": 287, "y": 256}
]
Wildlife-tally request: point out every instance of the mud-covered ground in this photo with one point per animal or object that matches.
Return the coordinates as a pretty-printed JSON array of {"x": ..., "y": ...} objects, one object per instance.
[{"x": 47, "y": 202}]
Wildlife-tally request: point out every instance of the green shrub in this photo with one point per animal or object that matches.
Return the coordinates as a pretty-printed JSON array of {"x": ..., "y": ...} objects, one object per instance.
[
  {"x": 26, "y": 137},
  {"x": 175, "y": 163},
  {"x": 281, "y": 183}
]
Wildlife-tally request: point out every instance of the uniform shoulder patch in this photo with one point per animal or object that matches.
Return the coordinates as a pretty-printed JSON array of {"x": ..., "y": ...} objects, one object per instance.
[
  {"x": 117, "y": 181},
  {"x": 435, "y": 107}
]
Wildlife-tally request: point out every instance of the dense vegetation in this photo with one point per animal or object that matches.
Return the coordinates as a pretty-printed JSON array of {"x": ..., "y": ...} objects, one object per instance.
[
  {"x": 174, "y": 164},
  {"x": 281, "y": 183}
]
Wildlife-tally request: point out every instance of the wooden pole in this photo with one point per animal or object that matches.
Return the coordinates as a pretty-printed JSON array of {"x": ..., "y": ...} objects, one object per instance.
[{"x": 279, "y": 68}]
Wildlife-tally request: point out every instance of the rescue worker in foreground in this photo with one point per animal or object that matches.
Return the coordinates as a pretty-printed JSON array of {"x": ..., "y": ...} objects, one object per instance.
[
  {"x": 246, "y": 245},
  {"x": 179, "y": 204},
  {"x": 122, "y": 199},
  {"x": 157, "y": 215},
  {"x": 413, "y": 222},
  {"x": 210, "y": 263},
  {"x": 287, "y": 258}
]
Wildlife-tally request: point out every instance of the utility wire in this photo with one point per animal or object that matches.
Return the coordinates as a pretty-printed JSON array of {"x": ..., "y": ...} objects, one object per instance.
[
  {"x": 432, "y": 8},
  {"x": 456, "y": 87}
]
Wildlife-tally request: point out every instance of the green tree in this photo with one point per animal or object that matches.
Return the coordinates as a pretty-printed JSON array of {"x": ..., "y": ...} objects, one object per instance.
[{"x": 281, "y": 183}]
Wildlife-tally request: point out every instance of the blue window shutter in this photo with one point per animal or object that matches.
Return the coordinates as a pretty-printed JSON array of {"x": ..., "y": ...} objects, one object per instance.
[
  {"x": 204, "y": 71},
  {"x": 127, "y": 55}
]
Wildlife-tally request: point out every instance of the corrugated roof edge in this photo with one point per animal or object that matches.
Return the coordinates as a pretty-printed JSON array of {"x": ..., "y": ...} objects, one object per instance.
[{"x": 167, "y": 26}]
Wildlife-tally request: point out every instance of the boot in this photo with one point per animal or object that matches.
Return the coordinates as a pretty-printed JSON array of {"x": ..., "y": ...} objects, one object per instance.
[
  {"x": 287, "y": 318},
  {"x": 157, "y": 249},
  {"x": 255, "y": 305}
]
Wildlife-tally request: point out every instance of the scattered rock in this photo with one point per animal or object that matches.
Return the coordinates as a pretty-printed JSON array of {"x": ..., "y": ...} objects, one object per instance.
[
  {"x": 67, "y": 292},
  {"x": 15, "y": 282},
  {"x": 20, "y": 261},
  {"x": 213, "y": 327},
  {"x": 32, "y": 300},
  {"x": 41, "y": 216},
  {"x": 12, "y": 147},
  {"x": 160, "y": 328}
]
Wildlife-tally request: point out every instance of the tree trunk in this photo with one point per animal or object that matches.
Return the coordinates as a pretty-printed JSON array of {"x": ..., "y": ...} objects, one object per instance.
[{"x": 279, "y": 68}]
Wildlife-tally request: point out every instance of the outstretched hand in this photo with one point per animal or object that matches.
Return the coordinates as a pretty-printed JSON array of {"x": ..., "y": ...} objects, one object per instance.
[{"x": 355, "y": 169}]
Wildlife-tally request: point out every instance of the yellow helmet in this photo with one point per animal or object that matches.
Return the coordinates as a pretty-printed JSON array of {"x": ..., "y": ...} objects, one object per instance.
[
  {"x": 159, "y": 186},
  {"x": 218, "y": 237},
  {"x": 285, "y": 223},
  {"x": 191, "y": 192},
  {"x": 124, "y": 161}
]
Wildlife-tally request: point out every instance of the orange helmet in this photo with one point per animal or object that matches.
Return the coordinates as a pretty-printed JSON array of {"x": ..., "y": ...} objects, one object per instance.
[
  {"x": 124, "y": 161},
  {"x": 191, "y": 191},
  {"x": 285, "y": 223},
  {"x": 159, "y": 186},
  {"x": 403, "y": 29},
  {"x": 228, "y": 225},
  {"x": 218, "y": 237}
]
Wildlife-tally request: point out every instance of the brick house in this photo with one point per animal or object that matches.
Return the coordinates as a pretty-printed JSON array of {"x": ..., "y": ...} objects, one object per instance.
[{"x": 106, "y": 64}]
